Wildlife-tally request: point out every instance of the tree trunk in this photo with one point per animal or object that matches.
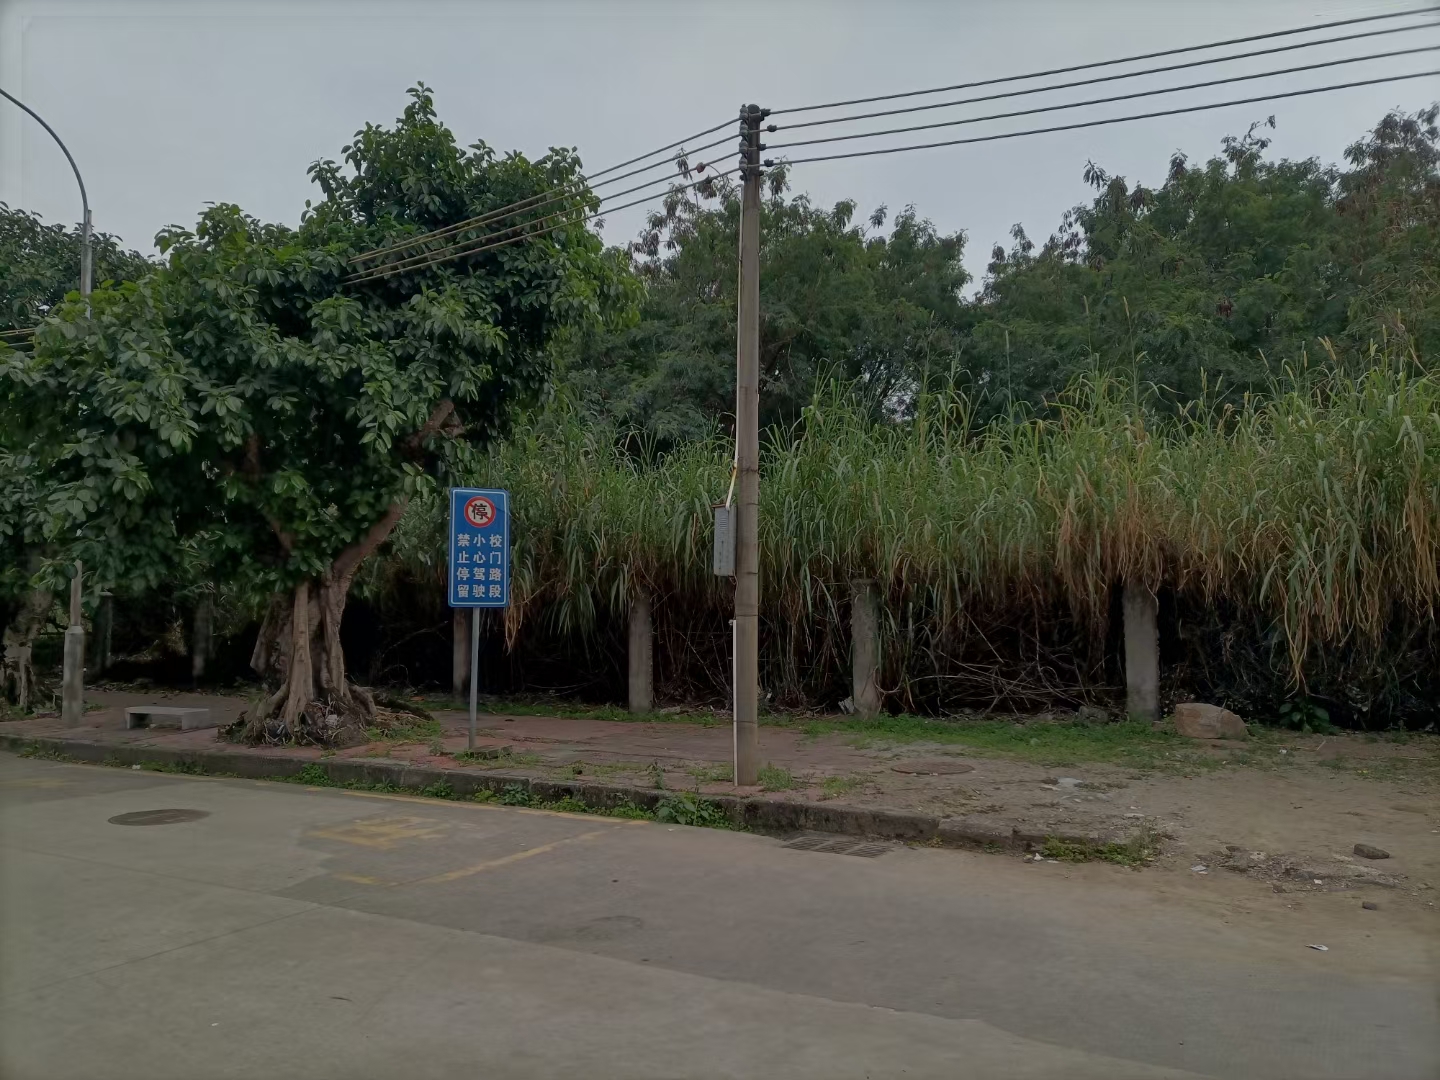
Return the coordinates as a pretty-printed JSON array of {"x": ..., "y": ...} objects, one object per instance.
[
  {"x": 298, "y": 657},
  {"x": 308, "y": 698},
  {"x": 17, "y": 673}
]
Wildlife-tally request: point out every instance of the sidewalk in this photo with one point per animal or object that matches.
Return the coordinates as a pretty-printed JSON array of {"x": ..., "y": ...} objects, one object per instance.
[{"x": 1291, "y": 816}]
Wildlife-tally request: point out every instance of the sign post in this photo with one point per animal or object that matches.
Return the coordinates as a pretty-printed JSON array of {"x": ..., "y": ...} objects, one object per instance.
[{"x": 479, "y": 565}]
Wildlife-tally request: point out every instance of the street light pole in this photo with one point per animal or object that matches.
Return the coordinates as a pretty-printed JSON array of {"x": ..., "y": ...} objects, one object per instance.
[{"x": 87, "y": 268}]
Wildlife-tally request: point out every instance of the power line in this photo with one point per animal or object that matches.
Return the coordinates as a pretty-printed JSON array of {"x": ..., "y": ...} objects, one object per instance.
[
  {"x": 1116, "y": 119},
  {"x": 1114, "y": 97},
  {"x": 389, "y": 271},
  {"x": 458, "y": 247},
  {"x": 549, "y": 197},
  {"x": 1428, "y": 9},
  {"x": 1109, "y": 78}
]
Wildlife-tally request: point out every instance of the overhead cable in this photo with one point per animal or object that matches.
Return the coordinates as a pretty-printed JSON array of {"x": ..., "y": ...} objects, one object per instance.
[
  {"x": 389, "y": 271},
  {"x": 546, "y": 198},
  {"x": 1108, "y": 78},
  {"x": 1429, "y": 9},
  {"x": 1115, "y": 97},
  {"x": 1113, "y": 119}
]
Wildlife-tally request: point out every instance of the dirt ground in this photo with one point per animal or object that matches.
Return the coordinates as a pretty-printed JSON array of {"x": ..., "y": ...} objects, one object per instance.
[{"x": 1281, "y": 811}]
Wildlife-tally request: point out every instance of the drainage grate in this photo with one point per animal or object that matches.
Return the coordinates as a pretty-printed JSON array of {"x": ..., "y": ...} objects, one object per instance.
[
  {"x": 158, "y": 817},
  {"x": 838, "y": 845}
]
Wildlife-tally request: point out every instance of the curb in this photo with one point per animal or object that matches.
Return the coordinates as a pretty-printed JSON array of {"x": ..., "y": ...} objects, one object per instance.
[{"x": 757, "y": 815}]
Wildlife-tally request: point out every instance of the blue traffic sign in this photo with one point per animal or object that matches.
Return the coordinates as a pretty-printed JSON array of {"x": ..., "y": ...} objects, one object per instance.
[{"x": 479, "y": 547}]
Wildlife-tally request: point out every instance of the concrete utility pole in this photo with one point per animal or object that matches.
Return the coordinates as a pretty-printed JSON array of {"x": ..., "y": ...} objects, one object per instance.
[{"x": 747, "y": 460}]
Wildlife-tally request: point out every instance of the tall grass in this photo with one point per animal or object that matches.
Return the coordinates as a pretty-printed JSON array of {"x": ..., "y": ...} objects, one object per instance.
[{"x": 1297, "y": 535}]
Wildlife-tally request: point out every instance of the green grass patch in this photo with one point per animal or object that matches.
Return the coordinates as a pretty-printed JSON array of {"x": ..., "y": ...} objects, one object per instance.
[
  {"x": 834, "y": 786},
  {"x": 1125, "y": 742},
  {"x": 409, "y": 729},
  {"x": 712, "y": 773},
  {"x": 1137, "y": 851},
  {"x": 776, "y": 778},
  {"x": 43, "y": 753},
  {"x": 687, "y": 809}
]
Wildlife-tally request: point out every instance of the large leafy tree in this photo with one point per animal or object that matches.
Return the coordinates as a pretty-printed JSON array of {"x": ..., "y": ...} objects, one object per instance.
[
  {"x": 838, "y": 300},
  {"x": 283, "y": 414},
  {"x": 39, "y": 266},
  {"x": 1221, "y": 273}
]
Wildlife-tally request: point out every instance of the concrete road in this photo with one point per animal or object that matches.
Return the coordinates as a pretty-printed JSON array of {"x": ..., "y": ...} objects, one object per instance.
[{"x": 293, "y": 932}]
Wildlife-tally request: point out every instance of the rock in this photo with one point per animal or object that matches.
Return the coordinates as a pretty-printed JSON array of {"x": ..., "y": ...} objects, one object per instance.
[
  {"x": 1370, "y": 851},
  {"x": 1089, "y": 714},
  {"x": 1369, "y": 905},
  {"x": 1067, "y": 782},
  {"x": 1244, "y": 861},
  {"x": 1196, "y": 720}
]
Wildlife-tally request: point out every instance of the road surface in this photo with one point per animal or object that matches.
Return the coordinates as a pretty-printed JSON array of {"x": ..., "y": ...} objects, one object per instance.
[{"x": 295, "y": 932}]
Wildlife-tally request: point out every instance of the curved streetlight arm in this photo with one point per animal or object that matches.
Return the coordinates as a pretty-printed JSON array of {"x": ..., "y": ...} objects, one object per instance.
[{"x": 85, "y": 261}]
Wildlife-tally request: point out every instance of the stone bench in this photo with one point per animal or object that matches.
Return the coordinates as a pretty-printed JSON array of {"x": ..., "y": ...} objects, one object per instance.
[{"x": 183, "y": 717}]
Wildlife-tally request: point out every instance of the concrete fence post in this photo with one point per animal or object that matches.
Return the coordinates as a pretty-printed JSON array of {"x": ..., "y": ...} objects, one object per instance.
[
  {"x": 460, "y": 652},
  {"x": 641, "y": 655},
  {"x": 865, "y": 646},
  {"x": 101, "y": 632},
  {"x": 1142, "y": 653},
  {"x": 202, "y": 636},
  {"x": 72, "y": 686}
]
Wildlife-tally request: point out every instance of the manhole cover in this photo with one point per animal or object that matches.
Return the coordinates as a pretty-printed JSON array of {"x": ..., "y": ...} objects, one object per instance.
[
  {"x": 933, "y": 767},
  {"x": 158, "y": 817},
  {"x": 837, "y": 845}
]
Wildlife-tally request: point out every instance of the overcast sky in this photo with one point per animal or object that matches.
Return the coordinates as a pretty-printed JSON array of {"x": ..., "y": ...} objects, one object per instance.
[{"x": 170, "y": 104}]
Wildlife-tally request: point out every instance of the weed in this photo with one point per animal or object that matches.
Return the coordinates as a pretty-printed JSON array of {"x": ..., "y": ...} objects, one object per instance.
[
  {"x": 184, "y": 768},
  {"x": 516, "y": 795},
  {"x": 439, "y": 789},
  {"x": 687, "y": 809},
  {"x": 1306, "y": 716},
  {"x": 776, "y": 778},
  {"x": 1140, "y": 849},
  {"x": 657, "y": 775},
  {"x": 568, "y": 804},
  {"x": 44, "y": 753},
  {"x": 484, "y": 795},
  {"x": 437, "y": 748},
  {"x": 840, "y": 785},
  {"x": 406, "y": 728},
  {"x": 312, "y": 775},
  {"x": 712, "y": 774},
  {"x": 629, "y": 810}
]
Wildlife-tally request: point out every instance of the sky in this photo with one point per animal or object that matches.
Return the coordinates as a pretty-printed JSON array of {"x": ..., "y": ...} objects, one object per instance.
[{"x": 168, "y": 105}]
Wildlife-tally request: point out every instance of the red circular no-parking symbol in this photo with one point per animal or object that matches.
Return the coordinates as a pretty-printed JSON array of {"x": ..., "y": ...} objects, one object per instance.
[{"x": 480, "y": 512}]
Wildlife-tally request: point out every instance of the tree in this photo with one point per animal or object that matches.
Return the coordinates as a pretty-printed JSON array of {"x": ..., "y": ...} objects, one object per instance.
[
  {"x": 284, "y": 416},
  {"x": 838, "y": 300},
  {"x": 1221, "y": 273},
  {"x": 39, "y": 266}
]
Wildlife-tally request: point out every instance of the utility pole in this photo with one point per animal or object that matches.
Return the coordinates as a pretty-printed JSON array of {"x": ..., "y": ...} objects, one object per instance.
[{"x": 747, "y": 459}]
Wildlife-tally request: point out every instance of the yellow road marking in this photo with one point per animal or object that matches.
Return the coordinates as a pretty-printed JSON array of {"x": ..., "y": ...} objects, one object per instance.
[
  {"x": 505, "y": 860},
  {"x": 382, "y": 833},
  {"x": 362, "y": 879},
  {"x": 34, "y": 783}
]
